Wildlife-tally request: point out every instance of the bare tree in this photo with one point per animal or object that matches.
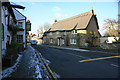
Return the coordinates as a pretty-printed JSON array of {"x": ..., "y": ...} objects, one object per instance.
[
  {"x": 40, "y": 30},
  {"x": 112, "y": 27},
  {"x": 46, "y": 26},
  {"x": 43, "y": 28}
]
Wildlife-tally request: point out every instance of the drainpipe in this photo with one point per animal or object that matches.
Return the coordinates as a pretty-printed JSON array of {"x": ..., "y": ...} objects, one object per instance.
[{"x": 0, "y": 42}]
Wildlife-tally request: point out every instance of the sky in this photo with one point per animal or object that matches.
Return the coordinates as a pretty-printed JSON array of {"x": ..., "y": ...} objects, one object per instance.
[{"x": 41, "y": 12}]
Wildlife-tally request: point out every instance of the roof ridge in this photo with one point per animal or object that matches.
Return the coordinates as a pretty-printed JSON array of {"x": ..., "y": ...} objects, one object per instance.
[
  {"x": 73, "y": 17},
  {"x": 70, "y": 23}
]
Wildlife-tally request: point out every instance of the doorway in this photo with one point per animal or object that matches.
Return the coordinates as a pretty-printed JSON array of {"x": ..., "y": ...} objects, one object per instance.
[{"x": 58, "y": 41}]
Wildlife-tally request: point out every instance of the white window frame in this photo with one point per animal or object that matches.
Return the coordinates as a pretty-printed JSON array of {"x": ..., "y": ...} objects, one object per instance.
[
  {"x": 51, "y": 40},
  {"x": 20, "y": 38},
  {"x": 63, "y": 41},
  {"x": 65, "y": 33},
  {"x": 20, "y": 25},
  {"x": 57, "y": 32},
  {"x": 73, "y": 41},
  {"x": 74, "y": 32}
]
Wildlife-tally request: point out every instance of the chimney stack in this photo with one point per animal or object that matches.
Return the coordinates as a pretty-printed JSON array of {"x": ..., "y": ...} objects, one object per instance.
[
  {"x": 55, "y": 20},
  {"x": 92, "y": 11}
]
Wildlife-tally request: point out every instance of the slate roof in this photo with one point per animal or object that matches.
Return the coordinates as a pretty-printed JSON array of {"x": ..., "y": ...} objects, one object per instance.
[{"x": 76, "y": 22}]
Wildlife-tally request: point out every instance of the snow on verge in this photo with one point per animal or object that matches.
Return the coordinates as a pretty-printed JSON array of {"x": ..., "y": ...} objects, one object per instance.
[
  {"x": 8, "y": 71},
  {"x": 57, "y": 76},
  {"x": 39, "y": 71}
]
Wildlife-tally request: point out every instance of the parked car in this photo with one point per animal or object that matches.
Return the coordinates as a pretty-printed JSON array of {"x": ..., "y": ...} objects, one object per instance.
[{"x": 33, "y": 42}]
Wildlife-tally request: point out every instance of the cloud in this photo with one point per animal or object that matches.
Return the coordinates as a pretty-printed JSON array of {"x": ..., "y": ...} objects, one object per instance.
[
  {"x": 59, "y": 15},
  {"x": 31, "y": 3},
  {"x": 56, "y": 8}
]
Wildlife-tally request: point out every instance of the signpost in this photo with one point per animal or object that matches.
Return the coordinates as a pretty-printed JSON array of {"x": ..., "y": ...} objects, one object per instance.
[{"x": 28, "y": 26}]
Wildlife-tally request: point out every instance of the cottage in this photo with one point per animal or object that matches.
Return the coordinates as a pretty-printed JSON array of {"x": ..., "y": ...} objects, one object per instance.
[
  {"x": 10, "y": 16},
  {"x": 21, "y": 22},
  {"x": 76, "y": 31},
  {"x": 7, "y": 18}
]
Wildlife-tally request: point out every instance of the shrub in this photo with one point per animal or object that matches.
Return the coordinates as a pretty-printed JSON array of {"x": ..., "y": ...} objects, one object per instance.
[
  {"x": 11, "y": 55},
  {"x": 12, "y": 49}
]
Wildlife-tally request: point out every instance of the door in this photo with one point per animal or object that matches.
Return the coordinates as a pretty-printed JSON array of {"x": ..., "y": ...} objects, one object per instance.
[{"x": 59, "y": 42}]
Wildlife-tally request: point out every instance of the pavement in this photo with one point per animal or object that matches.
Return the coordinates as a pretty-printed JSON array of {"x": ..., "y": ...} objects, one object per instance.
[
  {"x": 71, "y": 63},
  {"x": 27, "y": 65},
  {"x": 92, "y": 49},
  {"x": 30, "y": 67},
  {"x": 26, "y": 68},
  {"x": 109, "y": 51}
]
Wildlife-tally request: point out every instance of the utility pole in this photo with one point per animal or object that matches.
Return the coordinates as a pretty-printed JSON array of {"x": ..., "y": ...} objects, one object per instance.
[{"x": 0, "y": 43}]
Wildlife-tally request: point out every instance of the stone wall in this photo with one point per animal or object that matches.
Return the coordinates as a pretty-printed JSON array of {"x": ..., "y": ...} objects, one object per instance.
[{"x": 109, "y": 45}]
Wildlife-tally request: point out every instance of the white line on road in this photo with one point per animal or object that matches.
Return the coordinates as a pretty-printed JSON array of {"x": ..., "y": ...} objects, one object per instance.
[
  {"x": 115, "y": 65},
  {"x": 78, "y": 56},
  {"x": 75, "y": 49}
]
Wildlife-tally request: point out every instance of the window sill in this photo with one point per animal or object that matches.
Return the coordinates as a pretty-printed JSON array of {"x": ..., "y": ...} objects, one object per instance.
[{"x": 72, "y": 43}]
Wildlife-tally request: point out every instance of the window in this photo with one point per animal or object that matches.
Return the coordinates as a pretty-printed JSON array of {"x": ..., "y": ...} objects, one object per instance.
[
  {"x": 74, "y": 32},
  {"x": 63, "y": 41},
  {"x": 20, "y": 24},
  {"x": 73, "y": 41},
  {"x": 50, "y": 33},
  {"x": 51, "y": 40},
  {"x": 19, "y": 38},
  {"x": 57, "y": 32},
  {"x": 2, "y": 32},
  {"x": 65, "y": 33}
]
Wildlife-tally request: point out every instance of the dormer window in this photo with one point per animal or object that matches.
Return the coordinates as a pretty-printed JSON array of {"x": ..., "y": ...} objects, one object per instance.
[
  {"x": 20, "y": 24},
  {"x": 74, "y": 32}
]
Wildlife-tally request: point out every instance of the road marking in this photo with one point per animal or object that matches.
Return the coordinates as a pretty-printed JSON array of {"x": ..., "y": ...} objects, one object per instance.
[
  {"x": 75, "y": 49},
  {"x": 100, "y": 58},
  {"x": 115, "y": 65},
  {"x": 103, "y": 52},
  {"x": 46, "y": 65},
  {"x": 77, "y": 55}
]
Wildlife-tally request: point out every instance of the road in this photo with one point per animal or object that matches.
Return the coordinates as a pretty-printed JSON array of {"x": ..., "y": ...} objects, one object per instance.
[{"x": 69, "y": 64}]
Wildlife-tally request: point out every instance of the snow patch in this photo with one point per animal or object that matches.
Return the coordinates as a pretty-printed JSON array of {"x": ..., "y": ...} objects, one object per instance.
[
  {"x": 57, "y": 76},
  {"x": 38, "y": 72},
  {"x": 48, "y": 62},
  {"x": 8, "y": 71}
]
